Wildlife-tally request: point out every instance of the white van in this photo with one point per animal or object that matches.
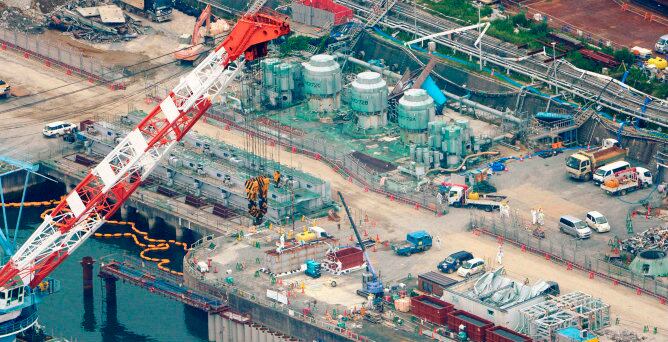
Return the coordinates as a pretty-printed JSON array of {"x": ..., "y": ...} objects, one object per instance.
[
  {"x": 58, "y": 128},
  {"x": 610, "y": 169}
]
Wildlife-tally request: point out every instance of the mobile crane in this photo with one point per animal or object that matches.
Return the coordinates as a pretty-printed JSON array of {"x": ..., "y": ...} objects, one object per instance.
[
  {"x": 371, "y": 283},
  {"x": 104, "y": 189}
]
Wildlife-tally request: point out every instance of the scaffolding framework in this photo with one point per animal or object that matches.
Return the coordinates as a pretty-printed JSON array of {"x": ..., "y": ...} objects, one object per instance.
[{"x": 541, "y": 321}]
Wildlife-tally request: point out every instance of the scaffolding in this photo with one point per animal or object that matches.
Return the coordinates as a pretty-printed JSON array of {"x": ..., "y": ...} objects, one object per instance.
[
  {"x": 575, "y": 309},
  {"x": 545, "y": 329}
]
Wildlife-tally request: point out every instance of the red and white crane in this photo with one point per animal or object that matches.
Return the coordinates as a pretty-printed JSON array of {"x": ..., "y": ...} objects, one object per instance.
[{"x": 118, "y": 175}]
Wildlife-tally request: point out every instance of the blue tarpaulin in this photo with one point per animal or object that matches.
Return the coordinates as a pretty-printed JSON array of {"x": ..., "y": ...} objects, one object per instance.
[{"x": 432, "y": 89}]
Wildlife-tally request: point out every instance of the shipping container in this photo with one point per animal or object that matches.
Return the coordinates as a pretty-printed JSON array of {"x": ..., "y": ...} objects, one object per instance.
[
  {"x": 434, "y": 283},
  {"x": 320, "y": 13},
  {"x": 431, "y": 308},
  {"x": 502, "y": 334},
  {"x": 350, "y": 257},
  {"x": 475, "y": 326}
]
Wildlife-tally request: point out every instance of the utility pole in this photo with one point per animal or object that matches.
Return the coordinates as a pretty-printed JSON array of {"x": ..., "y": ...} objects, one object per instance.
[{"x": 554, "y": 62}]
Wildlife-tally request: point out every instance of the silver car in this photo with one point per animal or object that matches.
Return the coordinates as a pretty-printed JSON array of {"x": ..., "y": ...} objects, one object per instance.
[{"x": 574, "y": 226}]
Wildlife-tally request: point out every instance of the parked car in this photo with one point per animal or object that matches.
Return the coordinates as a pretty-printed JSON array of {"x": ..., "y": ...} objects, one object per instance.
[
  {"x": 58, "y": 128},
  {"x": 661, "y": 45},
  {"x": 597, "y": 222},
  {"x": 574, "y": 226},
  {"x": 454, "y": 261},
  {"x": 471, "y": 267}
]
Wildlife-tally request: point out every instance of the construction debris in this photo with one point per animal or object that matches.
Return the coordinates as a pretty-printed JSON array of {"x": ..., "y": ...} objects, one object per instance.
[
  {"x": 622, "y": 335},
  {"x": 651, "y": 239},
  {"x": 104, "y": 23},
  {"x": 16, "y": 19}
]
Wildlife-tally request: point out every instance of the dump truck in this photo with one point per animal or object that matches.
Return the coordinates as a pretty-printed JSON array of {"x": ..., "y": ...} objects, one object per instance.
[
  {"x": 156, "y": 10},
  {"x": 416, "y": 242},
  {"x": 625, "y": 181},
  {"x": 582, "y": 164},
  {"x": 5, "y": 90},
  {"x": 461, "y": 196}
]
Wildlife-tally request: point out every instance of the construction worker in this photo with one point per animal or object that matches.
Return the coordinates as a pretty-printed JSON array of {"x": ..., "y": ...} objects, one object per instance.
[{"x": 277, "y": 178}]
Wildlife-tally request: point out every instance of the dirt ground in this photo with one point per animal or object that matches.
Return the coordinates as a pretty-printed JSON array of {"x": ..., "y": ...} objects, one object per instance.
[
  {"x": 604, "y": 18},
  {"x": 21, "y": 135},
  {"x": 393, "y": 221},
  {"x": 56, "y": 97}
]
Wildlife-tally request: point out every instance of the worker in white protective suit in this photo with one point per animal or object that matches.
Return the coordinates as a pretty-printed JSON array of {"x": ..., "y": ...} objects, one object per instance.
[
  {"x": 540, "y": 217},
  {"x": 499, "y": 255}
]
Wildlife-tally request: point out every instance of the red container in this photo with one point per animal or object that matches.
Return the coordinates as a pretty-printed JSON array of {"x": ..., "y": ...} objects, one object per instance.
[
  {"x": 342, "y": 14},
  {"x": 502, "y": 334},
  {"x": 431, "y": 308},
  {"x": 349, "y": 257},
  {"x": 475, "y": 326}
]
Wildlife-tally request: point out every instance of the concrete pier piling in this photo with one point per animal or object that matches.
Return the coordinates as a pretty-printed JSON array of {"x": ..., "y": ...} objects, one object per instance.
[
  {"x": 240, "y": 331},
  {"x": 226, "y": 332},
  {"x": 248, "y": 334},
  {"x": 87, "y": 266},
  {"x": 211, "y": 327}
]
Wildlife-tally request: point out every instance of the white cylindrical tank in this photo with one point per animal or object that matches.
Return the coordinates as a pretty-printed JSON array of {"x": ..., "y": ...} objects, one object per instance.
[
  {"x": 322, "y": 83},
  {"x": 415, "y": 110},
  {"x": 368, "y": 100}
]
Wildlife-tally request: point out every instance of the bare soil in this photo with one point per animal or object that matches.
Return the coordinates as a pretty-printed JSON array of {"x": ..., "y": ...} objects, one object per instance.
[
  {"x": 392, "y": 221},
  {"x": 604, "y": 18}
]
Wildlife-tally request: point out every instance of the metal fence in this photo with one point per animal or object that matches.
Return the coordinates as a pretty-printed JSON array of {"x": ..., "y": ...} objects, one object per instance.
[
  {"x": 517, "y": 231},
  {"x": 342, "y": 162},
  {"x": 74, "y": 62},
  {"x": 220, "y": 288}
]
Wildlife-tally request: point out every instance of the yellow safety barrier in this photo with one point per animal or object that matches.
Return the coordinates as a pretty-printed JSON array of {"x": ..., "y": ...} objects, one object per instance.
[{"x": 162, "y": 245}]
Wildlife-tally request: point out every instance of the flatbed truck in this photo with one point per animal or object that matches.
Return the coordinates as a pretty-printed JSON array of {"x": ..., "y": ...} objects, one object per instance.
[
  {"x": 156, "y": 10},
  {"x": 462, "y": 196},
  {"x": 626, "y": 181}
]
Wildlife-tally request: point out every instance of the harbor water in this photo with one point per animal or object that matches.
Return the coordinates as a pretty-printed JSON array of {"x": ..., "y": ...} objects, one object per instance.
[{"x": 138, "y": 314}]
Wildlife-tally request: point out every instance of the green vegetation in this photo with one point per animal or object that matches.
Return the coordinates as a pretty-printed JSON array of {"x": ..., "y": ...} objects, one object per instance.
[
  {"x": 520, "y": 30},
  {"x": 461, "y": 9},
  {"x": 294, "y": 43}
]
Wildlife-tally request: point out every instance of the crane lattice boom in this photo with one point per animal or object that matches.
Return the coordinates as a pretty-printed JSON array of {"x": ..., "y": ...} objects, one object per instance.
[{"x": 118, "y": 175}]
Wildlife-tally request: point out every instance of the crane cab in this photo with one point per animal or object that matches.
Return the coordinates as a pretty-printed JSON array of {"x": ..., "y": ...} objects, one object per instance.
[{"x": 12, "y": 297}]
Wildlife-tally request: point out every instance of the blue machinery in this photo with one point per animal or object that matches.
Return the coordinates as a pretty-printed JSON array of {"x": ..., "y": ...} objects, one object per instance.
[
  {"x": 371, "y": 283},
  {"x": 18, "y": 304}
]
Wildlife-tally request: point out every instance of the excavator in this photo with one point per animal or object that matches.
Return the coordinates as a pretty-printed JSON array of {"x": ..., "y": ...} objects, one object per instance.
[
  {"x": 115, "y": 178},
  {"x": 200, "y": 41}
]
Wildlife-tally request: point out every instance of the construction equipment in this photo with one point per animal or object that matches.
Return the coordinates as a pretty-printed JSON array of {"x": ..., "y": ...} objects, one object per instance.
[
  {"x": 416, "y": 242},
  {"x": 371, "y": 283},
  {"x": 313, "y": 269},
  {"x": 625, "y": 181},
  {"x": 5, "y": 90},
  {"x": 193, "y": 47},
  {"x": 107, "y": 186},
  {"x": 461, "y": 196},
  {"x": 581, "y": 165},
  {"x": 156, "y": 10},
  {"x": 257, "y": 189}
]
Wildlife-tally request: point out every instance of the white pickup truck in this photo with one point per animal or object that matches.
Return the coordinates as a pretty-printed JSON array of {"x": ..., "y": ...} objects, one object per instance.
[{"x": 626, "y": 181}]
